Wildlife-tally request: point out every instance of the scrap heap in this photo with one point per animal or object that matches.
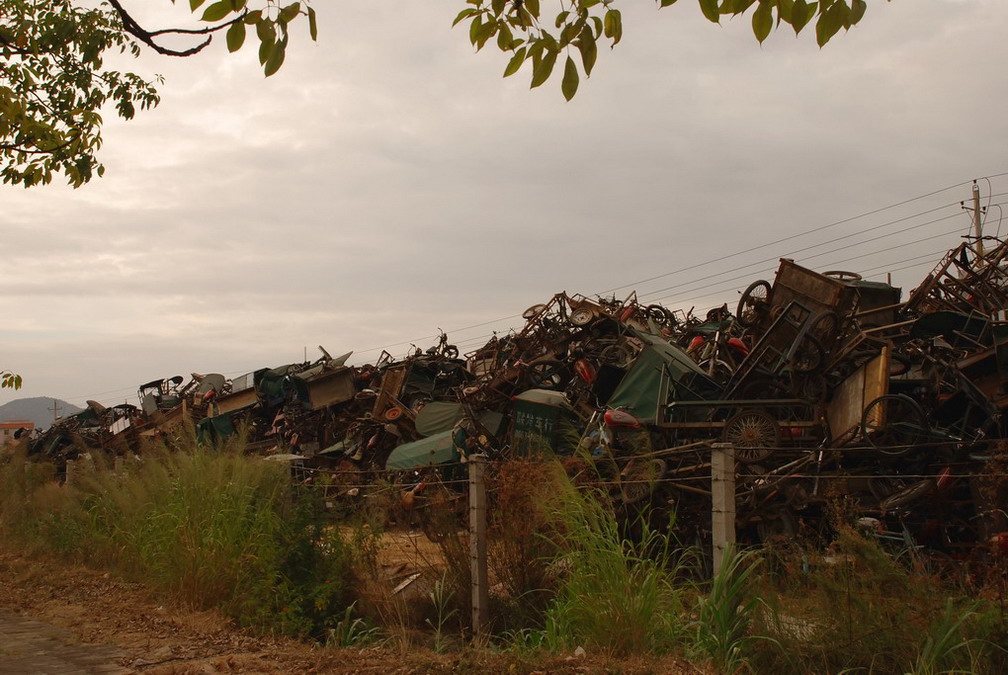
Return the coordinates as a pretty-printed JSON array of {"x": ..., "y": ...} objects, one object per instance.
[{"x": 826, "y": 385}]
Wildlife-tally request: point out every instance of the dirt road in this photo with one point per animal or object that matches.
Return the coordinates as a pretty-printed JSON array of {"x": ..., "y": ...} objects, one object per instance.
[{"x": 60, "y": 619}]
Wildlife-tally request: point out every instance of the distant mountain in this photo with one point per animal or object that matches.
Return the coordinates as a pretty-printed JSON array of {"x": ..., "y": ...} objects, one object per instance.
[{"x": 38, "y": 409}]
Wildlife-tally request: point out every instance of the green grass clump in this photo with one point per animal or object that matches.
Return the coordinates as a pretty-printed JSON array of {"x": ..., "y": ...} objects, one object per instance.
[
  {"x": 614, "y": 593},
  {"x": 724, "y": 615},
  {"x": 210, "y": 526}
]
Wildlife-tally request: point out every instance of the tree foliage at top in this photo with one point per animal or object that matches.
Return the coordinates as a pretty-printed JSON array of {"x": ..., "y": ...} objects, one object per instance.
[
  {"x": 539, "y": 39},
  {"x": 54, "y": 84}
]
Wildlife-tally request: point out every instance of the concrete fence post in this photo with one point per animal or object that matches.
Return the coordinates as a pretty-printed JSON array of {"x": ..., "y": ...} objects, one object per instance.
[
  {"x": 722, "y": 500},
  {"x": 478, "y": 544}
]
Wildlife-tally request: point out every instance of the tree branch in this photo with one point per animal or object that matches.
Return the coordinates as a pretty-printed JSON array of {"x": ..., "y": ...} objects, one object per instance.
[{"x": 147, "y": 37}]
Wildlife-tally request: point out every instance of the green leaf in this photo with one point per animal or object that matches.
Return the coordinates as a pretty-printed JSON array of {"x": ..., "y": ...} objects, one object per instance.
[
  {"x": 275, "y": 60},
  {"x": 569, "y": 84},
  {"x": 858, "y": 8},
  {"x": 800, "y": 15},
  {"x": 710, "y": 10},
  {"x": 532, "y": 7},
  {"x": 589, "y": 51},
  {"x": 194, "y": 4},
  {"x": 504, "y": 37},
  {"x": 254, "y": 17},
  {"x": 464, "y": 14},
  {"x": 288, "y": 13},
  {"x": 235, "y": 36},
  {"x": 784, "y": 8},
  {"x": 483, "y": 33},
  {"x": 265, "y": 51},
  {"x": 561, "y": 18},
  {"x": 474, "y": 29},
  {"x": 265, "y": 31},
  {"x": 666, "y": 3},
  {"x": 830, "y": 22},
  {"x": 613, "y": 25},
  {"x": 762, "y": 22},
  {"x": 515, "y": 63},
  {"x": 217, "y": 11},
  {"x": 312, "y": 24},
  {"x": 497, "y": 7},
  {"x": 544, "y": 68}
]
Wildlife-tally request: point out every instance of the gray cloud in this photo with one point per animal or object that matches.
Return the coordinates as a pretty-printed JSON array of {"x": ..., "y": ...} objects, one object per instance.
[{"x": 388, "y": 182}]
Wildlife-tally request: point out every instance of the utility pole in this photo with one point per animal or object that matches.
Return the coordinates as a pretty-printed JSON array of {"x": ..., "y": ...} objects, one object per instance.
[
  {"x": 977, "y": 221},
  {"x": 55, "y": 410}
]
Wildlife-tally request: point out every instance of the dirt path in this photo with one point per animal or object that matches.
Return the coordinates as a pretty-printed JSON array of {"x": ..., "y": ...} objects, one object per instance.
[
  {"x": 60, "y": 619},
  {"x": 28, "y": 646}
]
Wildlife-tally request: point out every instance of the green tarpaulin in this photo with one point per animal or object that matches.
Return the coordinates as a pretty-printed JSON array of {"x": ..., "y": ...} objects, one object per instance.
[
  {"x": 432, "y": 451},
  {"x": 437, "y": 417},
  {"x": 638, "y": 392}
]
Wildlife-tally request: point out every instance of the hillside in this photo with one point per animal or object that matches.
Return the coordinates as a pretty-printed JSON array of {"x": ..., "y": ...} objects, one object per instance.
[{"x": 38, "y": 409}]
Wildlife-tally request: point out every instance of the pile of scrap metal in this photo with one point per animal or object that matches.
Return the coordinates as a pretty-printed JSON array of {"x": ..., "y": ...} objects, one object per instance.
[
  {"x": 111, "y": 429},
  {"x": 829, "y": 388},
  {"x": 826, "y": 385}
]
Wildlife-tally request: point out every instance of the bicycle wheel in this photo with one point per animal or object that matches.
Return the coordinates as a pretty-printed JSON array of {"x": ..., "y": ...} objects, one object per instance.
[
  {"x": 754, "y": 433},
  {"x": 753, "y": 300},
  {"x": 641, "y": 481},
  {"x": 809, "y": 356},
  {"x": 894, "y": 424},
  {"x": 825, "y": 327},
  {"x": 533, "y": 311},
  {"x": 661, "y": 316}
]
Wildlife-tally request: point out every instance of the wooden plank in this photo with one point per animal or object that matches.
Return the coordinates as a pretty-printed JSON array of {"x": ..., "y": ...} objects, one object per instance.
[{"x": 845, "y": 409}]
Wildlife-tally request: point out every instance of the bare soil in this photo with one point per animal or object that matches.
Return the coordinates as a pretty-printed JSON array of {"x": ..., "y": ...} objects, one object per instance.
[{"x": 60, "y": 618}]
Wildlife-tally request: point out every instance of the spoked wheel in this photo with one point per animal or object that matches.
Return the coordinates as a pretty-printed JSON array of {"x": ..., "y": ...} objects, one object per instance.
[
  {"x": 754, "y": 433},
  {"x": 825, "y": 327},
  {"x": 754, "y": 299},
  {"x": 894, "y": 424},
  {"x": 659, "y": 315},
  {"x": 809, "y": 356},
  {"x": 533, "y": 311},
  {"x": 640, "y": 481}
]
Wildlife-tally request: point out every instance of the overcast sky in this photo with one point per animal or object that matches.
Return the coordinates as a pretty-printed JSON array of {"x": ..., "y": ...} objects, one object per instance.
[{"x": 388, "y": 182}]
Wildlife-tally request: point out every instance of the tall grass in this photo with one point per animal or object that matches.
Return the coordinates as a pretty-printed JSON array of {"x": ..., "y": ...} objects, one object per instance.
[
  {"x": 211, "y": 527},
  {"x": 614, "y": 593},
  {"x": 725, "y": 614}
]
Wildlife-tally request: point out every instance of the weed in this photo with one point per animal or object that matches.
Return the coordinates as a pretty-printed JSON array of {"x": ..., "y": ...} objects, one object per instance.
[
  {"x": 351, "y": 631},
  {"x": 943, "y": 642},
  {"x": 205, "y": 524},
  {"x": 440, "y": 597},
  {"x": 614, "y": 593},
  {"x": 726, "y": 612}
]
